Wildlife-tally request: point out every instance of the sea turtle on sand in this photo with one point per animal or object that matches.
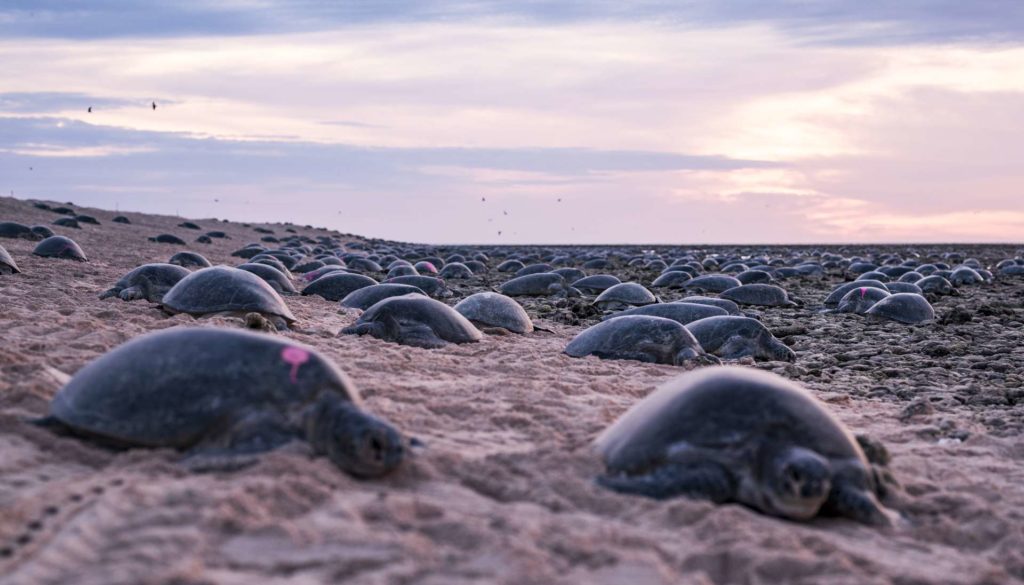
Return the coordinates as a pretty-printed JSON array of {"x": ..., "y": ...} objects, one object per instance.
[
  {"x": 535, "y": 269},
  {"x": 490, "y": 309},
  {"x": 366, "y": 297},
  {"x": 87, "y": 219},
  {"x": 903, "y": 287},
  {"x": 204, "y": 239},
  {"x": 60, "y": 247},
  {"x": 435, "y": 287},
  {"x": 639, "y": 337},
  {"x": 510, "y": 266},
  {"x": 402, "y": 270},
  {"x": 754, "y": 276},
  {"x": 189, "y": 225},
  {"x": 908, "y": 308},
  {"x": 543, "y": 284},
  {"x": 364, "y": 265},
  {"x": 716, "y": 283},
  {"x": 456, "y": 271},
  {"x": 311, "y": 276},
  {"x": 121, "y": 219},
  {"x": 874, "y": 275},
  {"x": 68, "y": 222},
  {"x": 623, "y": 296},
  {"x": 190, "y": 260},
  {"x": 734, "y": 434},
  {"x": 732, "y": 338},
  {"x": 596, "y": 284},
  {"x": 167, "y": 239},
  {"x": 13, "y": 229},
  {"x": 860, "y": 299},
  {"x": 729, "y": 306},
  {"x": 965, "y": 275},
  {"x": 762, "y": 295},
  {"x": 335, "y": 286},
  {"x": 7, "y": 264},
  {"x": 424, "y": 266},
  {"x": 42, "y": 231},
  {"x": 837, "y": 294},
  {"x": 672, "y": 279},
  {"x": 277, "y": 281},
  {"x": 682, "y": 313},
  {"x": 222, "y": 290},
  {"x": 936, "y": 285},
  {"x": 308, "y": 266},
  {"x": 224, "y": 396},
  {"x": 910, "y": 277},
  {"x": 149, "y": 281},
  {"x": 570, "y": 274},
  {"x": 415, "y": 320}
]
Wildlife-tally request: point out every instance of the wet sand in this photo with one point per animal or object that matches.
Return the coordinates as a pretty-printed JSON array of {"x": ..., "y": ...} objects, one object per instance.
[{"x": 504, "y": 491}]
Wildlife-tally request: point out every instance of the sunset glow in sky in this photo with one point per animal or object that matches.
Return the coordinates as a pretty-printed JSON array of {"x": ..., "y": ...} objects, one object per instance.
[{"x": 568, "y": 122}]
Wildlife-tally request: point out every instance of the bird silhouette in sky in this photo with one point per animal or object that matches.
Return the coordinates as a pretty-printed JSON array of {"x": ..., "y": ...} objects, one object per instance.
[
  {"x": 505, "y": 212},
  {"x": 154, "y": 105},
  {"x": 90, "y": 109},
  {"x": 483, "y": 199}
]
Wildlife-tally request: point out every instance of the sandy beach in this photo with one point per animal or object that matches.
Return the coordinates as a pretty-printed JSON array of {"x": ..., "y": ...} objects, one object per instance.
[{"x": 504, "y": 491}]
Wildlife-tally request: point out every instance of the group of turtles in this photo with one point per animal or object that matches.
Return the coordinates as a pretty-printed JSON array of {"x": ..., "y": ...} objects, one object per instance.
[{"x": 725, "y": 433}]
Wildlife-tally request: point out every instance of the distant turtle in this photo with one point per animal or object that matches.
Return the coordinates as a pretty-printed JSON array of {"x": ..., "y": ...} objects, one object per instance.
[
  {"x": 335, "y": 286},
  {"x": 903, "y": 287},
  {"x": 7, "y": 264},
  {"x": 68, "y": 222},
  {"x": 875, "y": 275},
  {"x": 596, "y": 284},
  {"x": 272, "y": 262},
  {"x": 249, "y": 252},
  {"x": 639, "y": 337},
  {"x": 311, "y": 276},
  {"x": 734, "y": 434},
  {"x": 908, "y": 308},
  {"x": 204, "y": 239},
  {"x": 218, "y": 234},
  {"x": 965, "y": 275},
  {"x": 87, "y": 219},
  {"x": 910, "y": 277},
  {"x": 308, "y": 266},
  {"x": 42, "y": 231},
  {"x": 762, "y": 295},
  {"x": 535, "y": 269},
  {"x": 542, "y": 284},
  {"x": 167, "y": 239},
  {"x": 363, "y": 265},
  {"x": 860, "y": 299},
  {"x": 277, "y": 281},
  {"x": 729, "y": 306},
  {"x": 455, "y": 271},
  {"x": 223, "y": 290},
  {"x": 190, "y": 260},
  {"x": 623, "y": 296},
  {"x": 402, "y": 270},
  {"x": 224, "y": 396},
  {"x": 672, "y": 279},
  {"x": 60, "y": 247},
  {"x": 366, "y": 297},
  {"x": 149, "y": 281},
  {"x": 570, "y": 274},
  {"x": 189, "y": 225},
  {"x": 716, "y": 283},
  {"x": 490, "y": 309},
  {"x": 13, "y": 229},
  {"x": 121, "y": 219},
  {"x": 682, "y": 313},
  {"x": 435, "y": 287},
  {"x": 426, "y": 267},
  {"x": 415, "y": 320},
  {"x": 935, "y": 284},
  {"x": 733, "y": 337},
  {"x": 754, "y": 277},
  {"x": 837, "y": 294},
  {"x": 510, "y": 266}
]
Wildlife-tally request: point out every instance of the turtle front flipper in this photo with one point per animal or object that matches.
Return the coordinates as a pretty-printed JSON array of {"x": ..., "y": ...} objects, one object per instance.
[
  {"x": 132, "y": 293},
  {"x": 860, "y": 505},
  {"x": 239, "y": 445},
  {"x": 736, "y": 347},
  {"x": 708, "y": 481}
]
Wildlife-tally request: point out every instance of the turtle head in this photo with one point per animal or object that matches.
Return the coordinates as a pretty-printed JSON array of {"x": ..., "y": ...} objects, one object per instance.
[
  {"x": 359, "y": 443},
  {"x": 797, "y": 483}
]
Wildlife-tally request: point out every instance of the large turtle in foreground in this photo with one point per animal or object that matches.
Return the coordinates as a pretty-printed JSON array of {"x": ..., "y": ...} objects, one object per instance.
[
  {"x": 733, "y": 434},
  {"x": 222, "y": 290},
  {"x": 415, "y": 320},
  {"x": 149, "y": 281},
  {"x": 224, "y": 396}
]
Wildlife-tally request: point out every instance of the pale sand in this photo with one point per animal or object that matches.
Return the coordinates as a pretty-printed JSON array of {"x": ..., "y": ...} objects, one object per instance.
[{"x": 504, "y": 492}]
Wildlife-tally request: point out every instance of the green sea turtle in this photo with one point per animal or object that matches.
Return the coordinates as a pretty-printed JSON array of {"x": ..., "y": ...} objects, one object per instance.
[
  {"x": 149, "y": 281},
  {"x": 596, "y": 284},
  {"x": 716, "y": 283},
  {"x": 7, "y": 264},
  {"x": 541, "y": 284},
  {"x": 490, "y": 309},
  {"x": 415, "y": 320},
  {"x": 60, "y": 247},
  {"x": 190, "y": 260},
  {"x": 936, "y": 285},
  {"x": 277, "y": 281},
  {"x": 729, "y": 306},
  {"x": 908, "y": 308},
  {"x": 13, "y": 229},
  {"x": 762, "y": 295},
  {"x": 366, "y": 297},
  {"x": 837, "y": 294},
  {"x": 335, "y": 286},
  {"x": 222, "y": 290},
  {"x": 733, "y": 337},
  {"x": 860, "y": 299},
  {"x": 223, "y": 397},
  {"x": 682, "y": 313},
  {"x": 167, "y": 239},
  {"x": 639, "y": 337},
  {"x": 435, "y": 287},
  {"x": 623, "y": 296},
  {"x": 672, "y": 279},
  {"x": 455, "y": 271},
  {"x": 734, "y": 434},
  {"x": 68, "y": 222}
]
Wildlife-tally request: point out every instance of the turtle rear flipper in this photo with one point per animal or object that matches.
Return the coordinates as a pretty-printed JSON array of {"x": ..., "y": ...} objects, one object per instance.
[
  {"x": 240, "y": 444},
  {"x": 706, "y": 481},
  {"x": 420, "y": 335}
]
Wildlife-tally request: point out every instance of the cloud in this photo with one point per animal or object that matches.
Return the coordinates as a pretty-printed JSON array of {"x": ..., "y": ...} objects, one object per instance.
[{"x": 40, "y": 102}]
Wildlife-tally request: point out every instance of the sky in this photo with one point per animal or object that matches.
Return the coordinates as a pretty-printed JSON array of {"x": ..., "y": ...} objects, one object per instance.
[{"x": 682, "y": 122}]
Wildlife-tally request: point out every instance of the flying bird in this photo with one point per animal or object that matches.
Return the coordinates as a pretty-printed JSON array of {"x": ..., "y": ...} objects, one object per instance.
[
  {"x": 90, "y": 109},
  {"x": 154, "y": 105},
  {"x": 483, "y": 199}
]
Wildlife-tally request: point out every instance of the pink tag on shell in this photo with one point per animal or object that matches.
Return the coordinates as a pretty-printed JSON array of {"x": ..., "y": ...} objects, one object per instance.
[{"x": 296, "y": 357}]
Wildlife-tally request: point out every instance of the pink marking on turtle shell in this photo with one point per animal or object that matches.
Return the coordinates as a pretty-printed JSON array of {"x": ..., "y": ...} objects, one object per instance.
[
  {"x": 863, "y": 291},
  {"x": 296, "y": 356}
]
